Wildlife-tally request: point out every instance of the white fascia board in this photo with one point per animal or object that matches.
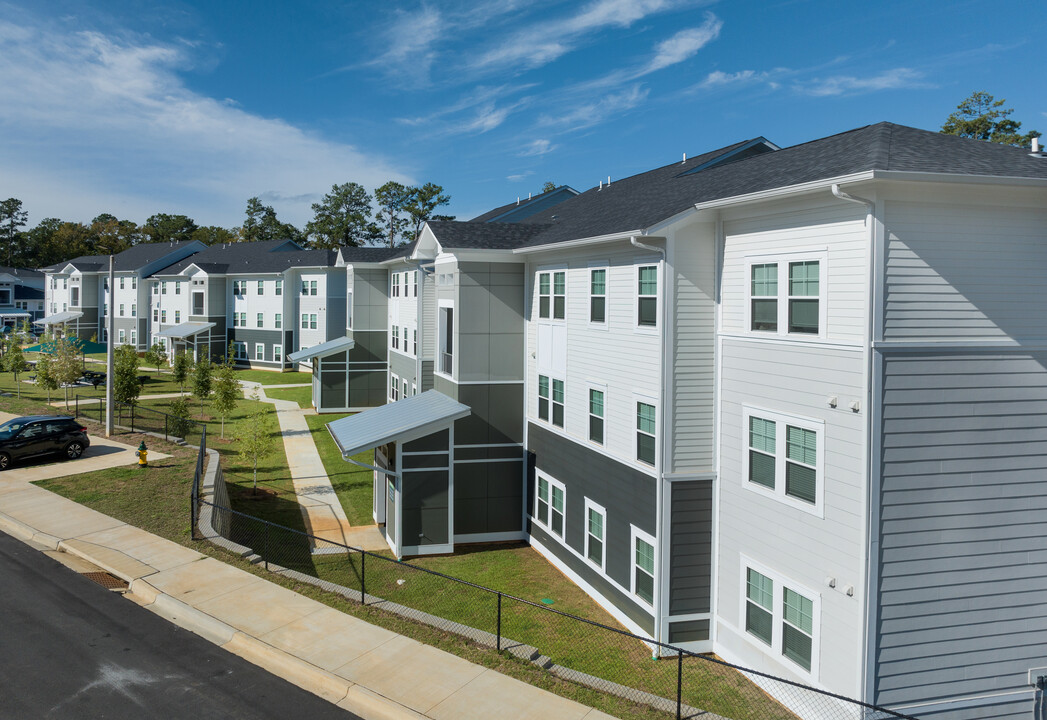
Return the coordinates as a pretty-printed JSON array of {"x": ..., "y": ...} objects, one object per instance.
[
  {"x": 478, "y": 255},
  {"x": 907, "y": 176},
  {"x": 582, "y": 242},
  {"x": 773, "y": 193}
]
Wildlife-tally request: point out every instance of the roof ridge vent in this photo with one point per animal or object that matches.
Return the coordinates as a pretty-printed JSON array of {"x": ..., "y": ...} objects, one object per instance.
[
  {"x": 1037, "y": 151},
  {"x": 684, "y": 159}
]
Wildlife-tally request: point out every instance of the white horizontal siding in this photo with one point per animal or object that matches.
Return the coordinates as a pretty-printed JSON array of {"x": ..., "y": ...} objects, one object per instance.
[
  {"x": 964, "y": 271},
  {"x": 797, "y": 380},
  {"x": 618, "y": 356},
  {"x": 838, "y": 228}
]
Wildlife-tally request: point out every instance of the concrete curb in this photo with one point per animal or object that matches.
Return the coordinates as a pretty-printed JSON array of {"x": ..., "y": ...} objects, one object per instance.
[
  {"x": 303, "y": 674},
  {"x": 23, "y": 532}
]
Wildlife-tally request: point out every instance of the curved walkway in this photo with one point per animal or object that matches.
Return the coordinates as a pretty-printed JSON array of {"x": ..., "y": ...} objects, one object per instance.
[{"x": 323, "y": 513}]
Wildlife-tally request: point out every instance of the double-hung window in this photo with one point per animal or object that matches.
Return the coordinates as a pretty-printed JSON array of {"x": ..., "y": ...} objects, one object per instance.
[
  {"x": 278, "y": 320},
  {"x": 278, "y": 353},
  {"x": 134, "y": 282},
  {"x": 156, "y": 315},
  {"x": 121, "y": 283},
  {"x": 643, "y": 565},
  {"x": 134, "y": 310},
  {"x": 259, "y": 351},
  {"x": 260, "y": 320},
  {"x": 163, "y": 316},
  {"x": 646, "y": 425},
  {"x": 551, "y": 400},
  {"x": 552, "y": 295},
  {"x": 647, "y": 296},
  {"x": 178, "y": 288},
  {"x": 595, "y": 524},
  {"x": 784, "y": 457},
  {"x": 598, "y": 295},
  {"x": 121, "y": 310},
  {"x": 395, "y": 285},
  {"x": 550, "y": 503},
  {"x": 781, "y": 616},
  {"x": 279, "y": 287},
  {"x": 312, "y": 321},
  {"x": 261, "y": 288},
  {"x": 305, "y": 321},
  {"x": 163, "y": 288},
  {"x": 596, "y": 414},
  {"x": 785, "y": 297},
  {"x": 396, "y": 337},
  {"x": 178, "y": 316}
]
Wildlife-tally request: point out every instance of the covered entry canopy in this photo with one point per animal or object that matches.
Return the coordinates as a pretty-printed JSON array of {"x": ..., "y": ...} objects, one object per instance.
[
  {"x": 13, "y": 313},
  {"x": 328, "y": 348},
  {"x": 59, "y": 318},
  {"x": 403, "y": 420},
  {"x": 184, "y": 330}
]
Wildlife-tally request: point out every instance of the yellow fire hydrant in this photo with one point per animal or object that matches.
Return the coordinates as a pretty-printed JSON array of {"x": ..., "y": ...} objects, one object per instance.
[{"x": 142, "y": 452}]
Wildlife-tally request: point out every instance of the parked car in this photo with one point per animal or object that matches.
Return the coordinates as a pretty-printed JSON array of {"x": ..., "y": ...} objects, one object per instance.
[{"x": 36, "y": 435}]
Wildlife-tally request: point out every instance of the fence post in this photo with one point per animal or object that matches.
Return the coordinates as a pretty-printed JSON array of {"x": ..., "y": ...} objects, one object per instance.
[
  {"x": 266, "y": 558},
  {"x": 499, "y": 629},
  {"x": 165, "y": 426},
  {"x": 363, "y": 577},
  {"x": 132, "y": 418},
  {"x": 679, "y": 684}
]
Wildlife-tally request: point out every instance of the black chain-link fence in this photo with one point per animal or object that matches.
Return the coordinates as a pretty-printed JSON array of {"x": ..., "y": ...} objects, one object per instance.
[
  {"x": 138, "y": 419},
  {"x": 657, "y": 679}
]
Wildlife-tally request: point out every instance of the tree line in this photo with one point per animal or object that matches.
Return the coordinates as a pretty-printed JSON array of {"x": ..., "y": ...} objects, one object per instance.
[{"x": 347, "y": 215}]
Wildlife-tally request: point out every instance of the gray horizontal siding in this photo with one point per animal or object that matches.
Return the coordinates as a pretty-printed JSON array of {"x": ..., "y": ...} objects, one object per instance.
[
  {"x": 690, "y": 547},
  {"x": 963, "y": 553}
]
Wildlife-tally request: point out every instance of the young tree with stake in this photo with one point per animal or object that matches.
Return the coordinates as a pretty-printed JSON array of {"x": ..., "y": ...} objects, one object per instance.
[
  {"x": 255, "y": 435},
  {"x": 226, "y": 391},
  {"x": 183, "y": 365},
  {"x": 203, "y": 381}
]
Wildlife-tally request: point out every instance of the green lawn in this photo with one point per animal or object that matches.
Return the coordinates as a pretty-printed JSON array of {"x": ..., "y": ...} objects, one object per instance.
[
  {"x": 271, "y": 377},
  {"x": 302, "y": 395},
  {"x": 352, "y": 483}
]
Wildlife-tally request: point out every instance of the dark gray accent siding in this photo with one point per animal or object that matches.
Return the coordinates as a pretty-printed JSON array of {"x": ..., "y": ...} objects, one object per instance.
[
  {"x": 628, "y": 605},
  {"x": 689, "y": 631},
  {"x": 488, "y": 497},
  {"x": 435, "y": 441},
  {"x": 628, "y": 495},
  {"x": 251, "y": 336},
  {"x": 367, "y": 388},
  {"x": 425, "y": 508},
  {"x": 962, "y": 594},
  {"x": 497, "y": 415},
  {"x": 690, "y": 547},
  {"x": 335, "y": 317},
  {"x": 426, "y": 381}
]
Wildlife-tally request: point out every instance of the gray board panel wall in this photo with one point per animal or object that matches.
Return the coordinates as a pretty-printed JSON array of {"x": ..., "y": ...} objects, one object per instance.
[
  {"x": 690, "y": 547},
  {"x": 616, "y": 597},
  {"x": 962, "y": 593},
  {"x": 425, "y": 499},
  {"x": 403, "y": 366},
  {"x": 252, "y": 336},
  {"x": 497, "y": 412},
  {"x": 335, "y": 314},
  {"x": 488, "y": 497},
  {"x": 628, "y": 496}
]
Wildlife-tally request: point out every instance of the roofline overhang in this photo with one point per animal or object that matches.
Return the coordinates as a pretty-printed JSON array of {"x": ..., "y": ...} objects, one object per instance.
[
  {"x": 773, "y": 193},
  {"x": 582, "y": 242},
  {"x": 404, "y": 436},
  {"x": 479, "y": 254},
  {"x": 957, "y": 179}
]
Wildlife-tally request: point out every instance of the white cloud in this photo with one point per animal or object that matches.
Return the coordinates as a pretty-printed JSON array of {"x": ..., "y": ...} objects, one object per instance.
[
  {"x": 520, "y": 176},
  {"x": 898, "y": 78},
  {"x": 537, "y": 147},
  {"x": 86, "y": 115},
  {"x": 541, "y": 43},
  {"x": 596, "y": 111},
  {"x": 685, "y": 44},
  {"x": 718, "y": 78},
  {"x": 412, "y": 41}
]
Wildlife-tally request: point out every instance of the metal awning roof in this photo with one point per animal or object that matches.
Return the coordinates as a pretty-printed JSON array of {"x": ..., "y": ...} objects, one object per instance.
[
  {"x": 406, "y": 419},
  {"x": 13, "y": 313},
  {"x": 328, "y": 348},
  {"x": 59, "y": 318},
  {"x": 184, "y": 330}
]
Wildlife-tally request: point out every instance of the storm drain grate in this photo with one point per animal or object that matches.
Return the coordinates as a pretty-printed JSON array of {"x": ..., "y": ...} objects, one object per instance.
[{"x": 109, "y": 582}]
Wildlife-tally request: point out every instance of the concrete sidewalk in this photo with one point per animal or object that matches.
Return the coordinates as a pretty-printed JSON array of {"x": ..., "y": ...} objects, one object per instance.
[
  {"x": 323, "y": 513},
  {"x": 365, "y": 669}
]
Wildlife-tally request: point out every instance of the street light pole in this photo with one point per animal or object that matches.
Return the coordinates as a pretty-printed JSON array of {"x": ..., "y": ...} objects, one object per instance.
[{"x": 110, "y": 329}]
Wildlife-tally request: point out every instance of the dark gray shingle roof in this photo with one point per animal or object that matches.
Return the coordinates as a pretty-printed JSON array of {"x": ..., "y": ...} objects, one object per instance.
[
  {"x": 272, "y": 256},
  {"x": 640, "y": 201},
  {"x": 133, "y": 258},
  {"x": 455, "y": 235},
  {"x": 369, "y": 254},
  {"x": 21, "y": 273}
]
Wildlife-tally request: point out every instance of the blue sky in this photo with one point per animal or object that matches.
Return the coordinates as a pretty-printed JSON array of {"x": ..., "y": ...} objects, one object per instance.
[{"x": 134, "y": 106}]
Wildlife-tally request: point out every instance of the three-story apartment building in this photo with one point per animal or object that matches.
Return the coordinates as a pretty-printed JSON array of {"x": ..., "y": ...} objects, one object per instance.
[{"x": 779, "y": 404}]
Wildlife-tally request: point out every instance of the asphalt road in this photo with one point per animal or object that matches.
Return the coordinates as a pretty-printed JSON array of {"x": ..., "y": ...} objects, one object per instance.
[{"x": 72, "y": 649}]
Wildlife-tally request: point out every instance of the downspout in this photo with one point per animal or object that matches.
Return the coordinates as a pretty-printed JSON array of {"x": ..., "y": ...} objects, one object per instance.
[
  {"x": 660, "y": 533},
  {"x": 872, "y": 498}
]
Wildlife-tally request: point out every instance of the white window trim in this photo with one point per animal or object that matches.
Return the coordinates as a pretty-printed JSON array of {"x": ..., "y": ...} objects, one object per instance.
[
  {"x": 778, "y": 493},
  {"x": 599, "y": 387},
  {"x": 259, "y": 348},
  {"x": 655, "y": 329},
  {"x": 599, "y": 510},
  {"x": 240, "y": 350},
  {"x": 635, "y": 534},
  {"x": 121, "y": 337},
  {"x": 783, "y": 260},
  {"x": 548, "y": 526},
  {"x": 551, "y": 270},
  {"x": 775, "y": 649},
  {"x": 278, "y": 353},
  {"x": 605, "y": 266},
  {"x": 658, "y": 430},
  {"x": 549, "y": 422},
  {"x": 437, "y": 365}
]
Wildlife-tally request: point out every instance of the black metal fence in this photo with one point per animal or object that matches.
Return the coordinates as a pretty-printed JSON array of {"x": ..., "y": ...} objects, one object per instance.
[
  {"x": 656, "y": 679},
  {"x": 138, "y": 419}
]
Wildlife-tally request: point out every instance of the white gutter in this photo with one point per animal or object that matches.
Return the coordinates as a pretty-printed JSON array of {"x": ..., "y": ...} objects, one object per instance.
[
  {"x": 661, "y": 533},
  {"x": 581, "y": 242},
  {"x": 872, "y": 495},
  {"x": 773, "y": 193},
  {"x": 905, "y": 175}
]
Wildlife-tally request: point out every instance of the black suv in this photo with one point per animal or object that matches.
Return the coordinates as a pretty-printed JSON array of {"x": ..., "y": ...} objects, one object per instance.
[{"x": 27, "y": 437}]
